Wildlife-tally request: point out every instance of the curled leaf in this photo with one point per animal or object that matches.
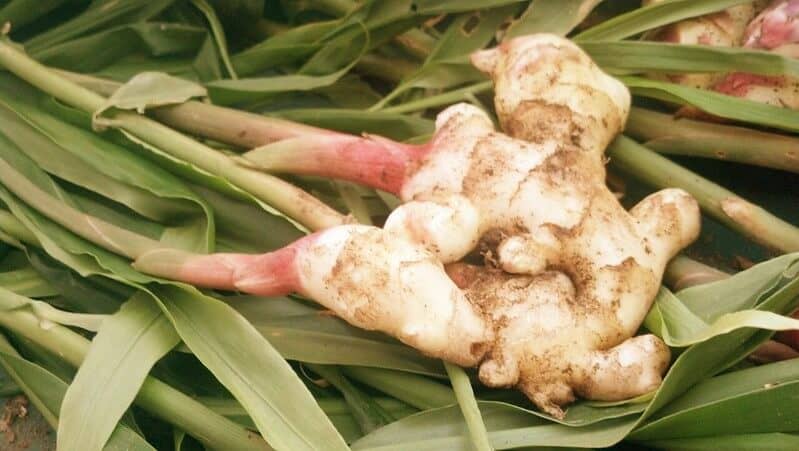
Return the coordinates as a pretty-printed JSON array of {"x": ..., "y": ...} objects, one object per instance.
[{"x": 148, "y": 90}]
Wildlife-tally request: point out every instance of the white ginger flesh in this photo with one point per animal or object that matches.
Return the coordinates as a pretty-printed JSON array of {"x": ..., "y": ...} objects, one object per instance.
[
  {"x": 568, "y": 332},
  {"x": 776, "y": 30},
  {"x": 567, "y": 98},
  {"x": 614, "y": 260},
  {"x": 370, "y": 278},
  {"x": 720, "y": 29}
]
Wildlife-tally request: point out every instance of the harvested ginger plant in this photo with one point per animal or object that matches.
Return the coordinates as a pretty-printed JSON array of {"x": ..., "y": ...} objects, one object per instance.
[
  {"x": 575, "y": 273},
  {"x": 180, "y": 265}
]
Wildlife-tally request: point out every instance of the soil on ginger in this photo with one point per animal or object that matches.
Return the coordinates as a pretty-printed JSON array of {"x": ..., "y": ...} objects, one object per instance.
[{"x": 22, "y": 427}]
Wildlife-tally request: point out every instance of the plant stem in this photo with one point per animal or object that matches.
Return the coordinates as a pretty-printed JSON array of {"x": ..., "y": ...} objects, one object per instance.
[
  {"x": 412, "y": 389},
  {"x": 446, "y": 98},
  {"x": 227, "y": 125},
  {"x": 287, "y": 198},
  {"x": 724, "y": 205},
  {"x": 683, "y": 272},
  {"x": 102, "y": 233},
  {"x": 12, "y": 226},
  {"x": 331, "y": 406},
  {"x": 666, "y": 134},
  {"x": 384, "y": 68},
  {"x": 469, "y": 408},
  {"x": 155, "y": 396}
]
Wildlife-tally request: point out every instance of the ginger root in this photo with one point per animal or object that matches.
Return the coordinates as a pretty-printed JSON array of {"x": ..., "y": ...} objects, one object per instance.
[
  {"x": 776, "y": 29},
  {"x": 369, "y": 277},
  {"x": 570, "y": 274},
  {"x": 724, "y": 28}
]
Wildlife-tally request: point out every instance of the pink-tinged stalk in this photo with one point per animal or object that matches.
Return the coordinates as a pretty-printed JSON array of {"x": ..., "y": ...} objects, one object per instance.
[
  {"x": 270, "y": 274},
  {"x": 369, "y": 160},
  {"x": 789, "y": 337}
]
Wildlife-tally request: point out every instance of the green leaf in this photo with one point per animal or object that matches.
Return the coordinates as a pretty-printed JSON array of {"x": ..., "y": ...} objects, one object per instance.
[
  {"x": 366, "y": 412},
  {"x": 216, "y": 334},
  {"x": 22, "y": 12},
  {"x": 244, "y": 227},
  {"x": 682, "y": 328},
  {"x": 643, "y": 56},
  {"x": 98, "y": 51},
  {"x": 300, "y": 332},
  {"x": 227, "y": 92},
  {"x": 27, "y": 282},
  {"x": 25, "y": 179},
  {"x": 716, "y": 406},
  {"x": 108, "y": 169},
  {"x": 710, "y": 357},
  {"x": 218, "y": 33},
  {"x": 149, "y": 90},
  {"x": 82, "y": 294},
  {"x": 46, "y": 392},
  {"x": 119, "y": 359},
  {"x": 740, "y": 291},
  {"x": 444, "y": 428},
  {"x": 738, "y": 442},
  {"x": 185, "y": 170},
  {"x": 285, "y": 412},
  {"x": 655, "y": 15},
  {"x": 716, "y": 103},
  {"x": 101, "y": 13},
  {"x": 448, "y": 64},
  {"x": 551, "y": 16}
]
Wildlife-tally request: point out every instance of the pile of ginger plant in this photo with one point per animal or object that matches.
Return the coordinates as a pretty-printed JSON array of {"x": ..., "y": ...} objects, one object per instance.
[
  {"x": 561, "y": 252},
  {"x": 506, "y": 252}
]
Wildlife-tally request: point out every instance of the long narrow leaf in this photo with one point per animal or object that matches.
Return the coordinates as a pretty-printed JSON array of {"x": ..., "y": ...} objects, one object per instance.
[
  {"x": 122, "y": 354},
  {"x": 655, "y": 15},
  {"x": 284, "y": 411},
  {"x": 716, "y": 103},
  {"x": 715, "y": 406},
  {"x": 27, "y": 282},
  {"x": 551, "y": 16},
  {"x": 46, "y": 391},
  {"x": 643, "y": 56}
]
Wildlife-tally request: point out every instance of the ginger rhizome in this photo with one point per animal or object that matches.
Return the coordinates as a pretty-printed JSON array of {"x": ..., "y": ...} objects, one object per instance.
[
  {"x": 776, "y": 29},
  {"x": 761, "y": 25},
  {"x": 724, "y": 28},
  {"x": 569, "y": 274},
  {"x": 369, "y": 277}
]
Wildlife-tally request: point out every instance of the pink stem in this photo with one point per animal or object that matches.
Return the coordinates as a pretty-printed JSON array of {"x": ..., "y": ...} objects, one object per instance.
[
  {"x": 270, "y": 274},
  {"x": 370, "y": 160}
]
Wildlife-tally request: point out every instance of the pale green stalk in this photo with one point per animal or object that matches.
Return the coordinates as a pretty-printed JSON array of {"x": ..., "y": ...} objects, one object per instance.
[
  {"x": 722, "y": 204},
  {"x": 667, "y": 134},
  {"x": 107, "y": 235},
  {"x": 12, "y": 226},
  {"x": 412, "y": 389},
  {"x": 155, "y": 396},
  {"x": 447, "y": 98},
  {"x": 331, "y": 406},
  {"x": 285, "y": 197},
  {"x": 683, "y": 272},
  {"x": 471, "y": 412}
]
